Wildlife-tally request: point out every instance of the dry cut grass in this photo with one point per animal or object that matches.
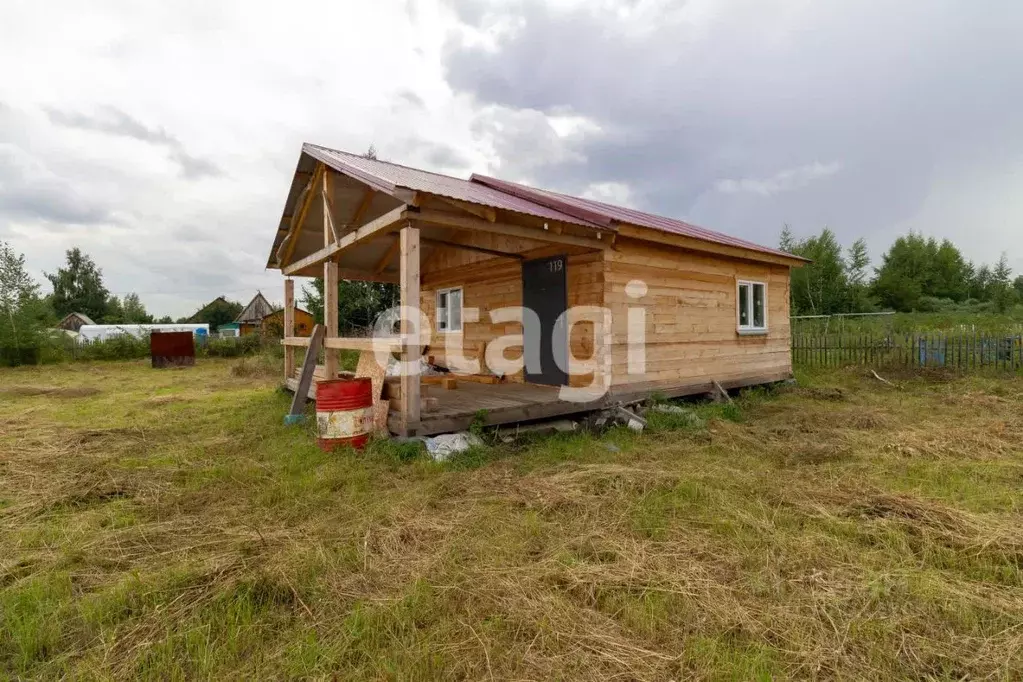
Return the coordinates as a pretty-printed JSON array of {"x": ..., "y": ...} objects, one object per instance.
[{"x": 164, "y": 524}]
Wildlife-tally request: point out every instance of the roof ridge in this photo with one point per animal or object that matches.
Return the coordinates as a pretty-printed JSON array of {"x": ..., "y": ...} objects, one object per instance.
[
  {"x": 386, "y": 163},
  {"x": 523, "y": 198}
]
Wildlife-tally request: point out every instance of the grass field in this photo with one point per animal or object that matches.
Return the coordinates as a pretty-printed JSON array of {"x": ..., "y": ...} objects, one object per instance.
[{"x": 164, "y": 524}]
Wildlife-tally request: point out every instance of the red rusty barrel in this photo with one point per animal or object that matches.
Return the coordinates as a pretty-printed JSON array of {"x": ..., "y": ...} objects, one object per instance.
[{"x": 344, "y": 412}]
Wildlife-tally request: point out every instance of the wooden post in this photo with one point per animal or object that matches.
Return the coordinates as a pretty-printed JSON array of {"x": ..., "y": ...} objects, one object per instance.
[
  {"x": 330, "y": 317},
  {"x": 409, "y": 264},
  {"x": 289, "y": 326},
  {"x": 330, "y": 282}
]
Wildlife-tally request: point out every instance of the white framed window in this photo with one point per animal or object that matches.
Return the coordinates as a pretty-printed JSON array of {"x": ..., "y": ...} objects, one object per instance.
[
  {"x": 449, "y": 310},
  {"x": 752, "y": 307}
]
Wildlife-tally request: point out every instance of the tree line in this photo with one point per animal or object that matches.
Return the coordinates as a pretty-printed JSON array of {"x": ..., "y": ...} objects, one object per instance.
[
  {"x": 916, "y": 274},
  {"x": 26, "y": 314}
]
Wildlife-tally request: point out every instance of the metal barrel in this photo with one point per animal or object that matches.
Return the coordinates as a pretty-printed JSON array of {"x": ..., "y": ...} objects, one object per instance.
[{"x": 344, "y": 412}]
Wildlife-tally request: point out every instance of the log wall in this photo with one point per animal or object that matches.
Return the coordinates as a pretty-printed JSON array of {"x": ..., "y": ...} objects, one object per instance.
[
  {"x": 690, "y": 316},
  {"x": 690, "y": 307}
]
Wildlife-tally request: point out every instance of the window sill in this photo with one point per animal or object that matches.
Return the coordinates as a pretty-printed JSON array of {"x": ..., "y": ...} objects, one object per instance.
[{"x": 751, "y": 332}]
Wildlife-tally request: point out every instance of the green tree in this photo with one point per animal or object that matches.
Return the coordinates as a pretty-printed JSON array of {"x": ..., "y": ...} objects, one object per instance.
[
  {"x": 788, "y": 240},
  {"x": 134, "y": 311},
  {"x": 16, "y": 286},
  {"x": 1017, "y": 284},
  {"x": 359, "y": 303},
  {"x": 905, "y": 272},
  {"x": 949, "y": 273},
  {"x": 78, "y": 287},
  {"x": 857, "y": 261},
  {"x": 217, "y": 312},
  {"x": 114, "y": 313},
  {"x": 1003, "y": 295},
  {"x": 24, "y": 315},
  {"x": 980, "y": 283},
  {"x": 821, "y": 287},
  {"x": 166, "y": 319}
]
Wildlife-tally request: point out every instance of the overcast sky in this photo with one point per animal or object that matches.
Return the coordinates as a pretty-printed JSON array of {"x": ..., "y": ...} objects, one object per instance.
[{"x": 160, "y": 137}]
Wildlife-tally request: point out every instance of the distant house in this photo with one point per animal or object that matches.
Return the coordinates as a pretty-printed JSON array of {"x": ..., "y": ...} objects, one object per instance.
[
  {"x": 215, "y": 313},
  {"x": 74, "y": 321},
  {"x": 251, "y": 317},
  {"x": 273, "y": 324},
  {"x": 229, "y": 329}
]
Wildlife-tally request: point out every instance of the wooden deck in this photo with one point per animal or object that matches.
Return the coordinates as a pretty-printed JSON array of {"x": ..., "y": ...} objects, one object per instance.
[
  {"x": 510, "y": 403},
  {"x": 506, "y": 403}
]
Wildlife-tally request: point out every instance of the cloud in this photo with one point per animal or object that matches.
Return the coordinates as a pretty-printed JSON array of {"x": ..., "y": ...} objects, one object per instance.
[
  {"x": 110, "y": 120},
  {"x": 28, "y": 190},
  {"x": 162, "y": 139},
  {"x": 615, "y": 193},
  {"x": 714, "y": 110},
  {"x": 782, "y": 181}
]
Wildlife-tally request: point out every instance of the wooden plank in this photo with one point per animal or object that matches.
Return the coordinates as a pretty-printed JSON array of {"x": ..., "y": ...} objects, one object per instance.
[
  {"x": 388, "y": 256},
  {"x": 477, "y": 249},
  {"x": 367, "y": 343},
  {"x": 694, "y": 244},
  {"x": 289, "y": 326},
  {"x": 370, "y": 230},
  {"x": 296, "y": 225},
  {"x": 305, "y": 380},
  {"x": 360, "y": 210},
  {"x": 409, "y": 270},
  {"x": 487, "y": 213},
  {"x": 449, "y": 383},
  {"x": 466, "y": 223},
  {"x": 366, "y": 276},
  {"x": 330, "y": 315}
]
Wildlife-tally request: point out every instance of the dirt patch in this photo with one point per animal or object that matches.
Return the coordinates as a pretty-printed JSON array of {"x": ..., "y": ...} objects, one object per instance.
[
  {"x": 821, "y": 393},
  {"x": 910, "y": 509},
  {"x": 52, "y": 391}
]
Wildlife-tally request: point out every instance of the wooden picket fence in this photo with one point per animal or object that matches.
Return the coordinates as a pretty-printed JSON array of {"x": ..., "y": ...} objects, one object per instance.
[{"x": 964, "y": 351}]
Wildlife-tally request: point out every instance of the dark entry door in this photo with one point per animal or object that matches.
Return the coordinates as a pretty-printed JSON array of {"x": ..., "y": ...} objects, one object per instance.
[{"x": 545, "y": 292}]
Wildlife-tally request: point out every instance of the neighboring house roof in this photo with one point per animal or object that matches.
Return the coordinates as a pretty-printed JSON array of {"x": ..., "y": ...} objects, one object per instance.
[
  {"x": 81, "y": 316},
  {"x": 255, "y": 311},
  {"x": 390, "y": 178},
  {"x": 200, "y": 311}
]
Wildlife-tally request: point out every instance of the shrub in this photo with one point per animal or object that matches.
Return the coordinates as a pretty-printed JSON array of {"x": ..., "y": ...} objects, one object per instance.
[{"x": 230, "y": 347}]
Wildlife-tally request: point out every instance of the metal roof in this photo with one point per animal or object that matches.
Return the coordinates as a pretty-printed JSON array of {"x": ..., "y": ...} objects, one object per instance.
[
  {"x": 387, "y": 177},
  {"x": 510, "y": 196},
  {"x": 598, "y": 210}
]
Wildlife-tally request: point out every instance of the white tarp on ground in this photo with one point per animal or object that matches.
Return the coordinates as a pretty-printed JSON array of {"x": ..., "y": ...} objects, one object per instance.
[
  {"x": 443, "y": 446},
  {"x": 101, "y": 332}
]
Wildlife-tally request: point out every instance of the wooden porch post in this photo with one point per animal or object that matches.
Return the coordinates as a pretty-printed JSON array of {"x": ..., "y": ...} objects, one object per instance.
[
  {"x": 330, "y": 275},
  {"x": 289, "y": 326},
  {"x": 410, "y": 353}
]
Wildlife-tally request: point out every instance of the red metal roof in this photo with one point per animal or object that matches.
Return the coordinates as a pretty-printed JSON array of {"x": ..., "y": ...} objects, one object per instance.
[
  {"x": 386, "y": 177},
  {"x": 598, "y": 210},
  {"x": 511, "y": 196}
]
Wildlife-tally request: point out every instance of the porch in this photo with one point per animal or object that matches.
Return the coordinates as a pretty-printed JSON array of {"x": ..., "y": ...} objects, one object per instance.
[{"x": 346, "y": 217}]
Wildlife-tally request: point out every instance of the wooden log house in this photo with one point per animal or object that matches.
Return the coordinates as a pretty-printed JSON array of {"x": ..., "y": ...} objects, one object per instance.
[{"x": 654, "y": 305}]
